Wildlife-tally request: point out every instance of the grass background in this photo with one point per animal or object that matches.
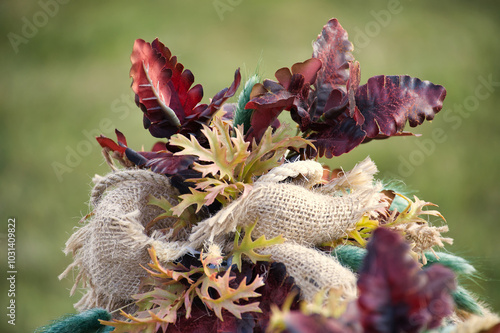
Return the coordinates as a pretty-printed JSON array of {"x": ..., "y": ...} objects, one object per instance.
[{"x": 69, "y": 81}]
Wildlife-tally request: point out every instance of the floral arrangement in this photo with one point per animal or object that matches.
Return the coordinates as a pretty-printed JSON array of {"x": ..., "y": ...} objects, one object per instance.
[{"x": 213, "y": 154}]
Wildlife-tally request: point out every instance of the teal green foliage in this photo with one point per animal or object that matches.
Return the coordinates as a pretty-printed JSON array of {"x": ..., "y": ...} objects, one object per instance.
[
  {"x": 352, "y": 257},
  {"x": 459, "y": 265},
  {"x": 85, "y": 322},
  {"x": 465, "y": 301},
  {"x": 399, "y": 187},
  {"x": 464, "y": 270},
  {"x": 242, "y": 115}
]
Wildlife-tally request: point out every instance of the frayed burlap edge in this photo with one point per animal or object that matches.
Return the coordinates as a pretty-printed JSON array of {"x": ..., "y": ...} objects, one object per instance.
[
  {"x": 335, "y": 207},
  {"x": 112, "y": 245},
  {"x": 313, "y": 271},
  {"x": 323, "y": 207}
]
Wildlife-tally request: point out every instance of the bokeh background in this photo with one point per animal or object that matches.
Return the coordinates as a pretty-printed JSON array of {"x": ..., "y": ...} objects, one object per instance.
[{"x": 65, "y": 79}]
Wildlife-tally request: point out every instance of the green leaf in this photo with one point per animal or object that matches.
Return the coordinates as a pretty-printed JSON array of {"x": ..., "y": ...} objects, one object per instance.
[
  {"x": 248, "y": 246},
  {"x": 230, "y": 163},
  {"x": 195, "y": 198},
  {"x": 163, "y": 204},
  {"x": 270, "y": 151},
  {"x": 168, "y": 295},
  {"x": 170, "y": 270},
  {"x": 191, "y": 147},
  {"x": 224, "y": 154},
  {"x": 184, "y": 220},
  {"x": 412, "y": 212},
  {"x": 243, "y": 116}
]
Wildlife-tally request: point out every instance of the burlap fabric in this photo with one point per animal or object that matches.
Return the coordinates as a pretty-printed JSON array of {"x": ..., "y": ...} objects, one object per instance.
[
  {"x": 110, "y": 249},
  {"x": 313, "y": 270},
  {"x": 284, "y": 202},
  {"x": 289, "y": 206}
]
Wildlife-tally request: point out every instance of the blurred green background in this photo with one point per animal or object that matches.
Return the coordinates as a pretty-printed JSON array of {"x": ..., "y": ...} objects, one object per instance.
[{"x": 65, "y": 80}]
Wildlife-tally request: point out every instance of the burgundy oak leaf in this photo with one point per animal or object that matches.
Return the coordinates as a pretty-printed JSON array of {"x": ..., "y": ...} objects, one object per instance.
[
  {"x": 151, "y": 85},
  {"x": 266, "y": 110},
  {"x": 159, "y": 146},
  {"x": 291, "y": 93},
  {"x": 395, "y": 294},
  {"x": 387, "y": 102},
  {"x": 334, "y": 49},
  {"x": 352, "y": 87},
  {"x": 119, "y": 147},
  {"x": 337, "y": 138},
  {"x": 164, "y": 93},
  {"x": 184, "y": 98},
  {"x": 308, "y": 69},
  {"x": 225, "y": 93},
  {"x": 160, "y": 161}
]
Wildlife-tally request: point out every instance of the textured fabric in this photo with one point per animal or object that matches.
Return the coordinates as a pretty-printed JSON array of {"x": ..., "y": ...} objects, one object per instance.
[
  {"x": 304, "y": 217},
  {"x": 299, "y": 214},
  {"x": 313, "y": 271},
  {"x": 110, "y": 249},
  {"x": 308, "y": 173}
]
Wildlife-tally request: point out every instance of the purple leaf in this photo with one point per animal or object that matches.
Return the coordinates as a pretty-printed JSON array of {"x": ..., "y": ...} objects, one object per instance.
[
  {"x": 162, "y": 87},
  {"x": 335, "y": 104},
  {"x": 352, "y": 87},
  {"x": 160, "y": 162},
  {"x": 266, "y": 110},
  {"x": 337, "y": 139},
  {"x": 395, "y": 294},
  {"x": 291, "y": 93},
  {"x": 164, "y": 93},
  {"x": 387, "y": 102},
  {"x": 334, "y": 49},
  {"x": 203, "y": 113},
  {"x": 159, "y": 146}
]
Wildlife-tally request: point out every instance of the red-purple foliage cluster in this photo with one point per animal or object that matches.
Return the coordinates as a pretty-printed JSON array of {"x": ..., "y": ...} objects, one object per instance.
[{"x": 323, "y": 95}]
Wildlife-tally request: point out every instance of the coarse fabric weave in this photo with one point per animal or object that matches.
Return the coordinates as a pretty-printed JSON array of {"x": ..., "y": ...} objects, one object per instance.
[
  {"x": 302, "y": 215},
  {"x": 299, "y": 214},
  {"x": 313, "y": 271},
  {"x": 110, "y": 249}
]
